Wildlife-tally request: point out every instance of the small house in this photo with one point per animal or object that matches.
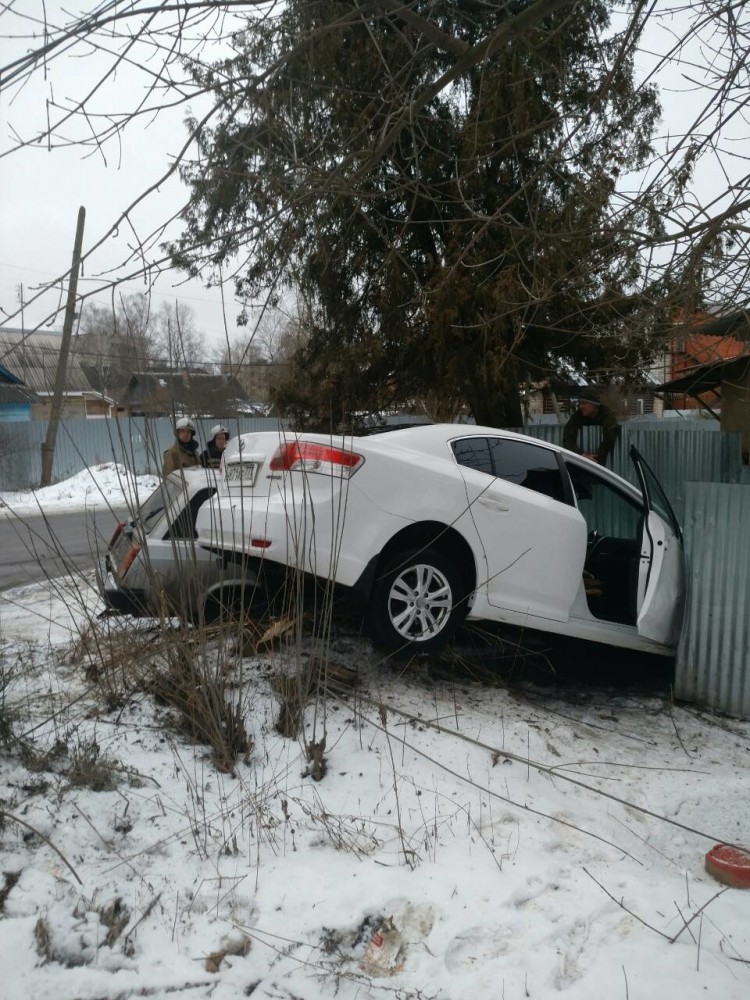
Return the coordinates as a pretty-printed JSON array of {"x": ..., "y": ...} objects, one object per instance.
[{"x": 722, "y": 388}]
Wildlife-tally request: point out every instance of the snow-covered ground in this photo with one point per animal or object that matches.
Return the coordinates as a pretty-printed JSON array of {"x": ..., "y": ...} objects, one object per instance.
[
  {"x": 108, "y": 484},
  {"x": 523, "y": 844}
]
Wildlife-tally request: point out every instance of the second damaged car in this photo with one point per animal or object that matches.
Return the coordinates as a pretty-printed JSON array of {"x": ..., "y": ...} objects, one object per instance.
[{"x": 154, "y": 567}]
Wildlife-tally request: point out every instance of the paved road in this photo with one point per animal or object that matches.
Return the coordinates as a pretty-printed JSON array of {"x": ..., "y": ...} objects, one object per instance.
[{"x": 33, "y": 548}]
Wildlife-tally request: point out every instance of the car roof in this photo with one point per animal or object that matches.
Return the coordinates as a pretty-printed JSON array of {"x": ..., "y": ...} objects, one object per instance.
[
  {"x": 441, "y": 433},
  {"x": 437, "y": 435},
  {"x": 431, "y": 438},
  {"x": 193, "y": 478}
]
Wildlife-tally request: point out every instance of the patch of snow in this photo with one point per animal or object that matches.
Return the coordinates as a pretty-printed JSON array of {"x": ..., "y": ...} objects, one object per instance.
[
  {"x": 523, "y": 843},
  {"x": 108, "y": 484}
]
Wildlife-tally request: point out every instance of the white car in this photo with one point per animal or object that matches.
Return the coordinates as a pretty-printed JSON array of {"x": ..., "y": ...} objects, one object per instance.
[
  {"x": 435, "y": 524},
  {"x": 153, "y": 566}
]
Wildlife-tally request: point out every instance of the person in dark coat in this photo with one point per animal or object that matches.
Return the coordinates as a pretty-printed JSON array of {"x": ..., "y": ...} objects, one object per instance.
[
  {"x": 184, "y": 452},
  {"x": 211, "y": 456},
  {"x": 592, "y": 411}
]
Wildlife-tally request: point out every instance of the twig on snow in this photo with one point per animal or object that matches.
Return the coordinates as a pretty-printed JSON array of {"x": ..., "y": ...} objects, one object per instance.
[
  {"x": 685, "y": 923},
  {"x": 622, "y": 906},
  {"x": 47, "y": 841}
]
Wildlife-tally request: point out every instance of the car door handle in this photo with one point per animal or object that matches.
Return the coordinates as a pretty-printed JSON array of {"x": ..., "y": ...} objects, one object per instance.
[{"x": 493, "y": 504}]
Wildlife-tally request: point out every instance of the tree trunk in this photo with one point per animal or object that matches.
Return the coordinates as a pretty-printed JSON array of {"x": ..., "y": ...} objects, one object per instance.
[{"x": 497, "y": 406}]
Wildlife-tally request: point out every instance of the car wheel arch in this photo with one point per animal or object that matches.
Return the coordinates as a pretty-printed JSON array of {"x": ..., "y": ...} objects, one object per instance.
[
  {"x": 228, "y": 597},
  {"x": 436, "y": 536}
]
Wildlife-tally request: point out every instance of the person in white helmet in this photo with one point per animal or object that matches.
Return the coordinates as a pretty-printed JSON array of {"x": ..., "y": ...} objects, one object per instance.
[
  {"x": 184, "y": 452},
  {"x": 211, "y": 457}
]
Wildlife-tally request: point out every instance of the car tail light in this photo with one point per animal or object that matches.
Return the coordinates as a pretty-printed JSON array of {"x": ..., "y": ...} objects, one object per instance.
[
  {"x": 117, "y": 533},
  {"x": 305, "y": 456},
  {"x": 127, "y": 561}
]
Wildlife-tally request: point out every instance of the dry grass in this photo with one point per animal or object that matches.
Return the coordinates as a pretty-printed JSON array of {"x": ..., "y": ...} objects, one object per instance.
[
  {"x": 90, "y": 768},
  {"x": 188, "y": 669},
  {"x": 196, "y": 682},
  {"x": 6, "y": 714}
]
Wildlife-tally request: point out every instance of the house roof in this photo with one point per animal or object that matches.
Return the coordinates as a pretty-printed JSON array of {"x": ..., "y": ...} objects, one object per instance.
[
  {"x": 733, "y": 324},
  {"x": 34, "y": 358},
  {"x": 704, "y": 378},
  {"x": 82, "y": 394},
  {"x": 13, "y": 390},
  {"x": 8, "y": 377},
  {"x": 111, "y": 380},
  {"x": 16, "y": 394}
]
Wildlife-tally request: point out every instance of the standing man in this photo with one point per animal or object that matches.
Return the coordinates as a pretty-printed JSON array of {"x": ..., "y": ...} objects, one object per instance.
[
  {"x": 592, "y": 412},
  {"x": 184, "y": 452},
  {"x": 211, "y": 457}
]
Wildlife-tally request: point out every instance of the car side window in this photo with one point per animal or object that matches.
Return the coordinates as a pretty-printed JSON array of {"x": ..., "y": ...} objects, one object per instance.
[
  {"x": 151, "y": 510},
  {"x": 657, "y": 497},
  {"x": 474, "y": 453},
  {"x": 608, "y": 512},
  {"x": 528, "y": 465}
]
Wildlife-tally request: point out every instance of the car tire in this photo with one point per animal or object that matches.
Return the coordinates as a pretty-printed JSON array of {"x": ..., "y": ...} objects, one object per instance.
[
  {"x": 417, "y": 602},
  {"x": 233, "y": 603}
]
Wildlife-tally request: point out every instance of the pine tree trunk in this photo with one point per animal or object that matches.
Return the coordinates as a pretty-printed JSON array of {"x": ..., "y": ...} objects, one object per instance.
[{"x": 497, "y": 407}]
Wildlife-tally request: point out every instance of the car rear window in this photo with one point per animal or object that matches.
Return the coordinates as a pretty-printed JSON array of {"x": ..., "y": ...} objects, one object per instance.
[
  {"x": 183, "y": 524},
  {"x": 151, "y": 510}
]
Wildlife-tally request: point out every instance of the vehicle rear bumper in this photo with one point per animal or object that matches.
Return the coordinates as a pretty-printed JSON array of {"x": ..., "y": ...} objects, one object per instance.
[{"x": 121, "y": 600}]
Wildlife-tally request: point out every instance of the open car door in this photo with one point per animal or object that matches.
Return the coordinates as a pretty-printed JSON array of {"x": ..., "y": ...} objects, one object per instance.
[{"x": 661, "y": 570}]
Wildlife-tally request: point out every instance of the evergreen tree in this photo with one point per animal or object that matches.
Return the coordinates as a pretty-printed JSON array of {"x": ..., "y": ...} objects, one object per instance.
[{"x": 439, "y": 182}]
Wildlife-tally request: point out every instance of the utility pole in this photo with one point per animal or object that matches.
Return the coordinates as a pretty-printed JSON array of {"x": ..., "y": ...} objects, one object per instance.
[
  {"x": 19, "y": 296},
  {"x": 48, "y": 448}
]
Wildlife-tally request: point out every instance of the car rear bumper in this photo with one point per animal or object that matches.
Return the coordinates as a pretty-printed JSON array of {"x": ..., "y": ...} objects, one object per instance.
[{"x": 121, "y": 600}]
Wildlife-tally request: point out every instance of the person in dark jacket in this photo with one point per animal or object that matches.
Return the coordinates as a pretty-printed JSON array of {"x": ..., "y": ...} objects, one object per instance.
[
  {"x": 211, "y": 456},
  {"x": 184, "y": 452},
  {"x": 591, "y": 411}
]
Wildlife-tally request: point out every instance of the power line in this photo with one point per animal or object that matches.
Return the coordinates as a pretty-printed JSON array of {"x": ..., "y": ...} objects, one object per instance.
[
  {"x": 149, "y": 362},
  {"x": 128, "y": 288}
]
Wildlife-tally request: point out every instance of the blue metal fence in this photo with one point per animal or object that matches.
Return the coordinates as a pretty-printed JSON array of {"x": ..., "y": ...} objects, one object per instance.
[
  {"x": 677, "y": 454},
  {"x": 137, "y": 443}
]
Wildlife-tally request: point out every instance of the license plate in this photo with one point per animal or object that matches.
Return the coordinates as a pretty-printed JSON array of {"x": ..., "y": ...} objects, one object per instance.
[{"x": 244, "y": 473}]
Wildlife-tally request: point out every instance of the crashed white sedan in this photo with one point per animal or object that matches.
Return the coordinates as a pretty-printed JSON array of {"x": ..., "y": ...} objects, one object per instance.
[{"x": 435, "y": 524}]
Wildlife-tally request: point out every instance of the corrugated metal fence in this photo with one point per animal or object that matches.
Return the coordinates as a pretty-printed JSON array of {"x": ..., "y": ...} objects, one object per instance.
[
  {"x": 713, "y": 658},
  {"x": 137, "y": 443},
  {"x": 676, "y": 454}
]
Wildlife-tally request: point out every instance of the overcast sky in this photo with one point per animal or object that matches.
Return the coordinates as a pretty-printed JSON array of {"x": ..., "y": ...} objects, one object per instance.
[{"x": 42, "y": 189}]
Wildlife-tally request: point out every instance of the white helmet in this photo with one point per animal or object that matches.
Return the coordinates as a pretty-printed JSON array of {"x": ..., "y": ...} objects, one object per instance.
[
  {"x": 218, "y": 429},
  {"x": 185, "y": 423}
]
